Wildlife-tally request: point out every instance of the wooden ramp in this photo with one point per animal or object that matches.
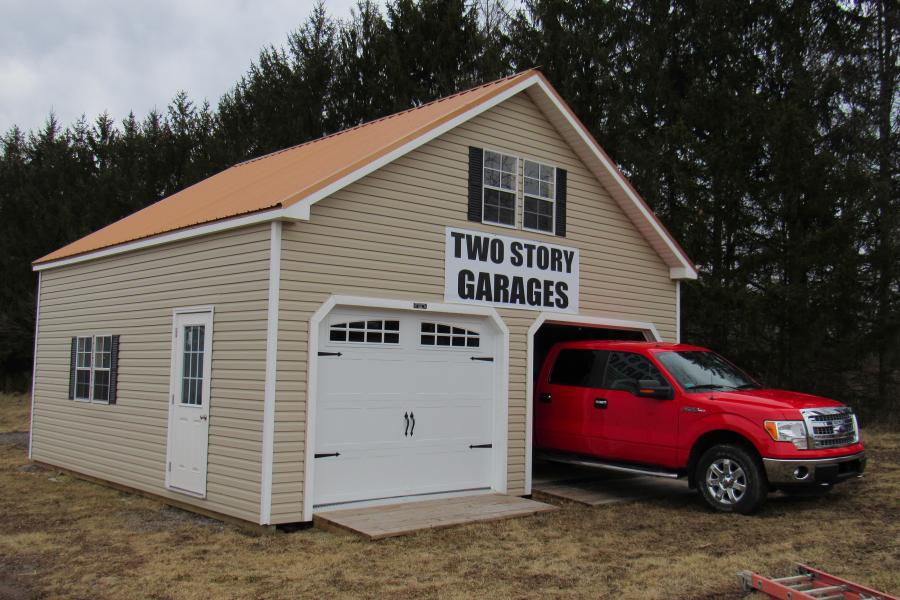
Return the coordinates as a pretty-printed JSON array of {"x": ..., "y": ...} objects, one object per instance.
[{"x": 377, "y": 522}]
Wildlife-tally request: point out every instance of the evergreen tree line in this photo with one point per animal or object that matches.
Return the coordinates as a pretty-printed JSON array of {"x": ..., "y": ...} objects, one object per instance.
[{"x": 763, "y": 133}]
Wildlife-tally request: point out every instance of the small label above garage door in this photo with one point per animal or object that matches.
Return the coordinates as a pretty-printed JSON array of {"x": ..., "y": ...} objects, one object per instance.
[{"x": 404, "y": 405}]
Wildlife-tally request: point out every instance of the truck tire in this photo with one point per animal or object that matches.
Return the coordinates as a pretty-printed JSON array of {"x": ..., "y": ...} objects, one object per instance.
[{"x": 730, "y": 479}]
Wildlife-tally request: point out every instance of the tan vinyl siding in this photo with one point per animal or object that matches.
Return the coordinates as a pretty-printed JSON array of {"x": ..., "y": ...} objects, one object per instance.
[
  {"x": 134, "y": 295},
  {"x": 383, "y": 236}
]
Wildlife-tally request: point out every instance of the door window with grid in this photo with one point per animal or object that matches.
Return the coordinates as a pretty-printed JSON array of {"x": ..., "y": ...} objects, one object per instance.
[{"x": 192, "y": 365}]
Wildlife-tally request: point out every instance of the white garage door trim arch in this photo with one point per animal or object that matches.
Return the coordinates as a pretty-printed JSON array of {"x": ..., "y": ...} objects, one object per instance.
[
  {"x": 648, "y": 329},
  {"x": 501, "y": 404}
]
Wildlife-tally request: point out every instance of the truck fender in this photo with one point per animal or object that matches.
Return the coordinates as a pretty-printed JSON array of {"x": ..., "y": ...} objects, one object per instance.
[{"x": 722, "y": 428}]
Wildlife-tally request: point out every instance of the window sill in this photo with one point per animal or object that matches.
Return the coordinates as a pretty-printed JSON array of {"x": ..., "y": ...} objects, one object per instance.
[{"x": 550, "y": 233}]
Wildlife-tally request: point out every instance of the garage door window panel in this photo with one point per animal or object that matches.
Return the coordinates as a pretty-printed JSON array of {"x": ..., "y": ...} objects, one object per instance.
[
  {"x": 439, "y": 334},
  {"x": 366, "y": 332}
]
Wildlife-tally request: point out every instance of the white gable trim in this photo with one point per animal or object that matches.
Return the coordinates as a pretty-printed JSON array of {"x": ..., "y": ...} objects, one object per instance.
[{"x": 680, "y": 267}]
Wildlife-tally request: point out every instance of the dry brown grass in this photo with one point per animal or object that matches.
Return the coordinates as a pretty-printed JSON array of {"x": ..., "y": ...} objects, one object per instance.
[
  {"x": 61, "y": 537},
  {"x": 15, "y": 412}
]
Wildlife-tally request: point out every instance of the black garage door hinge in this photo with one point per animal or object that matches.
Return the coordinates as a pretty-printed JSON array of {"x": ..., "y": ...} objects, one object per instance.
[
  {"x": 330, "y": 354},
  {"x": 481, "y": 446},
  {"x": 326, "y": 454},
  {"x": 484, "y": 358}
]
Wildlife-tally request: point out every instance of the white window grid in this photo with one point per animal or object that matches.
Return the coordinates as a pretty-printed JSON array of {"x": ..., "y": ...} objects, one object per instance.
[
  {"x": 192, "y": 365},
  {"x": 373, "y": 331},
  {"x": 93, "y": 356},
  {"x": 503, "y": 180},
  {"x": 442, "y": 335},
  {"x": 539, "y": 183}
]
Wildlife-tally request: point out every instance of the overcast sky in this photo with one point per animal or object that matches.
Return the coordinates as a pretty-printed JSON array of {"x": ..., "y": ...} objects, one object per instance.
[{"x": 79, "y": 57}]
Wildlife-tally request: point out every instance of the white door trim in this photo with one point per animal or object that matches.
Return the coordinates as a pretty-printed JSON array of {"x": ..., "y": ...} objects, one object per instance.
[
  {"x": 501, "y": 403},
  {"x": 207, "y": 386},
  {"x": 650, "y": 333},
  {"x": 268, "y": 439}
]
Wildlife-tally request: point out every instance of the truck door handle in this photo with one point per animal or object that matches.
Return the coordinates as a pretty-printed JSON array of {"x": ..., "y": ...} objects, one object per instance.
[
  {"x": 600, "y": 403},
  {"x": 546, "y": 398}
]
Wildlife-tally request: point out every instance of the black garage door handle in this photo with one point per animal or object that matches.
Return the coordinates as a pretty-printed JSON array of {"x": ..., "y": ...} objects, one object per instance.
[{"x": 412, "y": 417}]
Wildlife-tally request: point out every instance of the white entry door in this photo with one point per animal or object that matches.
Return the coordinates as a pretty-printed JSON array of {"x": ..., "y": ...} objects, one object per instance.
[
  {"x": 189, "y": 402},
  {"x": 404, "y": 405}
]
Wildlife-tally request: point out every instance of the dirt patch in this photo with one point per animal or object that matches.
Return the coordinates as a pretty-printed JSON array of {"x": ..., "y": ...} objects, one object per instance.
[{"x": 18, "y": 439}]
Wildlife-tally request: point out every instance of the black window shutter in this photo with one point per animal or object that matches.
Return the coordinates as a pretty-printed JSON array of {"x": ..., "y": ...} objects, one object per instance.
[
  {"x": 113, "y": 369},
  {"x": 561, "y": 202},
  {"x": 72, "y": 356},
  {"x": 476, "y": 177}
]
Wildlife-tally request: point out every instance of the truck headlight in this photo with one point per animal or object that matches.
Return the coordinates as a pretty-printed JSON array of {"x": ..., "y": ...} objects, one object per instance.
[{"x": 788, "y": 431}]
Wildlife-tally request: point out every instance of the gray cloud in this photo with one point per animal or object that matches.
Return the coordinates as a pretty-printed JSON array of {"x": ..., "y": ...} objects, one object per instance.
[{"x": 81, "y": 57}]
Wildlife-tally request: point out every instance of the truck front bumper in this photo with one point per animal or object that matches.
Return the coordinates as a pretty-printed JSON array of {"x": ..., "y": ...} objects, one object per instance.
[{"x": 817, "y": 471}]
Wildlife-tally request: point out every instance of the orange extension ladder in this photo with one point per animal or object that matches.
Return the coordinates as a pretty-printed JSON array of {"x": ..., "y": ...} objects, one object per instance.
[{"x": 809, "y": 584}]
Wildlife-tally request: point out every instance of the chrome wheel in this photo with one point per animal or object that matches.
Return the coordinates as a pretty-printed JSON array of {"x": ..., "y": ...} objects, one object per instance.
[{"x": 726, "y": 481}]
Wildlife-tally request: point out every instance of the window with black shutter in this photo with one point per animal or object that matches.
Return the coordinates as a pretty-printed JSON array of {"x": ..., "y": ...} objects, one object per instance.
[{"x": 93, "y": 368}]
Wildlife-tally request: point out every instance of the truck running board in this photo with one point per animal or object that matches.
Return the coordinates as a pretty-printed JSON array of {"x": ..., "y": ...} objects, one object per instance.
[
  {"x": 587, "y": 461},
  {"x": 809, "y": 584}
]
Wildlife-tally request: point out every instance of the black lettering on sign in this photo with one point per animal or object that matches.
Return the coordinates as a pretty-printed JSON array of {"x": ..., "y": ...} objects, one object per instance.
[
  {"x": 569, "y": 256},
  {"x": 466, "y": 284},
  {"x": 556, "y": 259},
  {"x": 529, "y": 255},
  {"x": 457, "y": 243},
  {"x": 562, "y": 298},
  {"x": 543, "y": 258},
  {"x": 517, "y": 293},
  {"x": 477, "y": 247},
  {"x": 515, "y": 253},
  {"x": 501, "y": 288},
  {"x": 497, "y": 251},
  {"x": 534, "y": 292},
  {"x": 483, "y": 294},
  {"x": 548, "y": 293}
]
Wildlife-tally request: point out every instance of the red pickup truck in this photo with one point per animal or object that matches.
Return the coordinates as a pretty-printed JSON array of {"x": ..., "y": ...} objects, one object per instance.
[{"x": 677, "y": 410}]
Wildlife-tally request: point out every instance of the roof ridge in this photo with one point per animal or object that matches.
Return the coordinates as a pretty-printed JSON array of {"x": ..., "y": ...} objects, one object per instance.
[{"x": 381, "y": 119}]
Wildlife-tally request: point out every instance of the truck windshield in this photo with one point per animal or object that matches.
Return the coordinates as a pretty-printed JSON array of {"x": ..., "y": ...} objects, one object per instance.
[{"x": 698, "y": 370}]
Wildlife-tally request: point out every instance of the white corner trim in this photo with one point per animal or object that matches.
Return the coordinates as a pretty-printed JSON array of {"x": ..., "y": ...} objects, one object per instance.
[
  {"x": 677, "y": 311},
  {"x": 37, "y": 325},
  {"x": 268, "y": 440},
  {"x": 501, "y": 412},
  {"x": 166, "y": 238},
  {"x": 300, "y": 208},
  {"x": 650, "y": 332}
]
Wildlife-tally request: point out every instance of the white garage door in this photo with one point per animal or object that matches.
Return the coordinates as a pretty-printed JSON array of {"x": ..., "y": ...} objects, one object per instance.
[{"x": 404, "y": 405}]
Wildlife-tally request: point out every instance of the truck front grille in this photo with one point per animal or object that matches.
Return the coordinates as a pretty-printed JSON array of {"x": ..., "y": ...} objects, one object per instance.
[{"x": 831, "y": 427}]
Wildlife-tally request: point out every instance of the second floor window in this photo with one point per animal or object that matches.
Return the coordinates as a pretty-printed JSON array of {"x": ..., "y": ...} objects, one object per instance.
[
  {"x": 540, "y": 197},
  {"x": 499, "y": 188}
]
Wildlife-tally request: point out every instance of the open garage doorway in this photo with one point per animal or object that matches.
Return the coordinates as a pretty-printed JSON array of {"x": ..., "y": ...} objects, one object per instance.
[{"x": 546, "y": 331}]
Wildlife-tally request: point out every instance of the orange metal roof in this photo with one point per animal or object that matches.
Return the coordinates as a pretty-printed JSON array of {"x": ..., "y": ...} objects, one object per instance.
[{"x": 283, "y": 178}]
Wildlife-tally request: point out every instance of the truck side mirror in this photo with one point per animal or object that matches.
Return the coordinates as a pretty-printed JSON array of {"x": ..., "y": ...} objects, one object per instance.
[{"x": 651, "y": 388}]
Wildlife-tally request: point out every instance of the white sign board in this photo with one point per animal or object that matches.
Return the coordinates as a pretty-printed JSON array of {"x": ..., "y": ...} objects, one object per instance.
[{"x": 495, "y": 270}]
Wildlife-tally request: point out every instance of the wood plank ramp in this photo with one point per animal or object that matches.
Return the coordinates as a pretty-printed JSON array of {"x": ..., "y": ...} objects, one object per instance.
[
  {"x": 595, "y": 487},
  {"x": 378, "y": 522}
]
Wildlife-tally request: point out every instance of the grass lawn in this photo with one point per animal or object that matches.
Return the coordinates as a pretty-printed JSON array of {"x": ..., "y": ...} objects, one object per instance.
[{"x": 61, "y": 537}]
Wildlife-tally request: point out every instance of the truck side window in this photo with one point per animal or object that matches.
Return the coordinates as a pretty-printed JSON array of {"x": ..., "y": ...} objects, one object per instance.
[
  {"x": 580, "y": 368},
  {"x": 625, "y": 369}
]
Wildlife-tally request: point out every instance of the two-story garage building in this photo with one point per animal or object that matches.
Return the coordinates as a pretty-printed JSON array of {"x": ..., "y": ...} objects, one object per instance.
[{"x": 354, "y": 319}]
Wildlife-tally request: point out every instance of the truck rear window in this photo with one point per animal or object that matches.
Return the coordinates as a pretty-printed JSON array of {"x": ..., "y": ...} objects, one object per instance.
[{"x": 581, "y": 368}]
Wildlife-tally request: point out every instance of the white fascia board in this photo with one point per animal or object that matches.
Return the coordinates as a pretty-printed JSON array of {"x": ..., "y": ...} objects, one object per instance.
[
  {"x": 167, "y": 238},
  {"x": 685, "y": 268},
  {"x": 296, "y": 211}
]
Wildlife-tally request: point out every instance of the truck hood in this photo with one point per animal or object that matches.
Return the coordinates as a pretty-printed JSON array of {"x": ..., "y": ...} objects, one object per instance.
[{"x": 776, "y": 399}]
